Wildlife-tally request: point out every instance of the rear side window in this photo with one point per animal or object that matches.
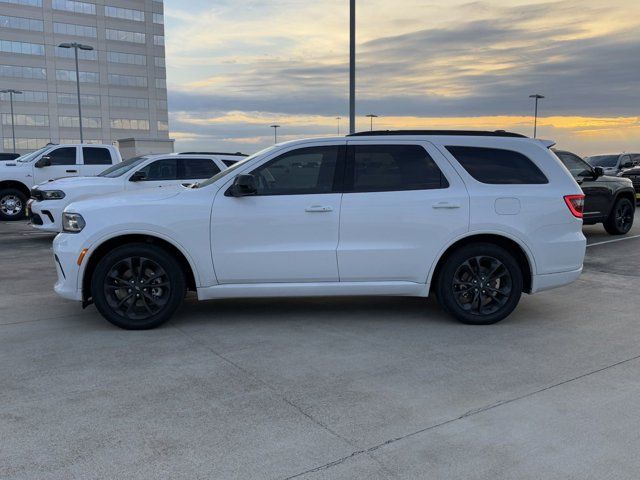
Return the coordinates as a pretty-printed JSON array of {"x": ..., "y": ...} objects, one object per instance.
[
  {"x": 497, "y": 166},
  {"x": 228, "y": 163},
  {"x": 197, "y": 168},
  {"x": 96, "y": 156},
  {"x": 384, "y": 168}
]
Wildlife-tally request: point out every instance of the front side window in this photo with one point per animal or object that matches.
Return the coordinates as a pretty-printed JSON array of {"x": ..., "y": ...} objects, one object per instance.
[
  {"x": 166, "y": 169},
  {"x": 298, "y": 172},
  {"x": 497, "y": 166},
  {"x": 63, "y": 156},
  {"x": 121, "y": 168},
  {"x": 193, "y": 168},
  {"x": 384, "y": 168},
  {"x": 96, "y": 156},
  {"x": 577, "y": 166}
]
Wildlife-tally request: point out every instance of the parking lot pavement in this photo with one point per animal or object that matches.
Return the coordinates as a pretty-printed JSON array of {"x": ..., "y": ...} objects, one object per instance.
[{"x": 370, "y": 388}]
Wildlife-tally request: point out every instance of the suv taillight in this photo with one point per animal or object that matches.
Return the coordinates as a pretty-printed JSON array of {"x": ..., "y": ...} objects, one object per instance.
[{"x": 575, "y": 204}]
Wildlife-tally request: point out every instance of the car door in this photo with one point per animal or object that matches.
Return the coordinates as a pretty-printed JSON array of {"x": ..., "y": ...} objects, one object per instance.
[
  {"x": 402, "y": 204},
  {"x": 288, "y": 230},
  {"x": 95, "y": 160},
  {"x": 64, "y": 163}
]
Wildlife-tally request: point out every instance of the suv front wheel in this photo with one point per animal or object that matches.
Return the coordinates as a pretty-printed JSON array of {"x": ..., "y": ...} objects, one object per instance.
[
  {"x": 138, "y": 286},
  {"x": 480, "y": 284}
]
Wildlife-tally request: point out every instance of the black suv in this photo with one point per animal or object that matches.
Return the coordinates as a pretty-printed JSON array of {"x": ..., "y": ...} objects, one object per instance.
[
  {"x": 633, "y": 174},
  {"x": 608, "y": 200}
]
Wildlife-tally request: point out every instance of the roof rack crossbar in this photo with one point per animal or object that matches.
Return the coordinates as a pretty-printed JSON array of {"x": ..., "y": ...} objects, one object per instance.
[{"x": 461, "y": 133}]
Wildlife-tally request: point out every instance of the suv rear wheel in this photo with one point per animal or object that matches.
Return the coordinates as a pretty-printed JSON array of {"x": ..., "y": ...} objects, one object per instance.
[
  {"x": 620, "y": 219},
  {"x": 138, "y": 286},
  {"x": 13, "y": 204},
  {"x": 480, "y": 284}
]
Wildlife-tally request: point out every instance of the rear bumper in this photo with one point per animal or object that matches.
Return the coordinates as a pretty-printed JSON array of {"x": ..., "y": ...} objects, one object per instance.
[{"x": 554, "y": 280}]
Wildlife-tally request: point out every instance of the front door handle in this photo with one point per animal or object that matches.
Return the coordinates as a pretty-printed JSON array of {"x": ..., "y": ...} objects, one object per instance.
[
  {"x": 318, "y": 209},
  {"x": 445, "y": 205},
  {"x": 72, "y": 171}
]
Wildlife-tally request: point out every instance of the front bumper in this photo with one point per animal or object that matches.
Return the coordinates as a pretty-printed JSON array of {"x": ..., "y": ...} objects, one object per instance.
[
  {"x": 66, "y": 249},
  {"x": 46, "y": 215}
]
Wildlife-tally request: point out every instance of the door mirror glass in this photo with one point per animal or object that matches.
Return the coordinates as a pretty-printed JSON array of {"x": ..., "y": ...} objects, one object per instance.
[
  {"x": 138, "y": 176},
  {"x": 244, "y": 185},
  {"x": 45, "y": 161}
]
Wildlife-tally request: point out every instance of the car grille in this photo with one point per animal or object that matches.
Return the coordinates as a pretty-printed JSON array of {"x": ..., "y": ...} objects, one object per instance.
[{"x": 36, "y": 194}]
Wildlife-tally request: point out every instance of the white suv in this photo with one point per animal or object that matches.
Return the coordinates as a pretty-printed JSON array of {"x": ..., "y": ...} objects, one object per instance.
[
  {"x": 475, "y": 217},
  {"x": 49, "y": 199}
]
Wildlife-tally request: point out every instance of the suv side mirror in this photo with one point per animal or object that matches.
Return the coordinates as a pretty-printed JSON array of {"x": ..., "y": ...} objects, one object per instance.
[
  {"x": 244, "y": 186},
  {"x": 138, "y": 176},
  {"x": 598, "y": 172},
  {"x": 45, "y": 161}
]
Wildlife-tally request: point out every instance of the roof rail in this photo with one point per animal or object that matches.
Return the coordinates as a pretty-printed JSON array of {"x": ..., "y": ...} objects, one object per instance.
[
  {"x": 237, "y": 154},
  {"x": 461, "y": 133}
]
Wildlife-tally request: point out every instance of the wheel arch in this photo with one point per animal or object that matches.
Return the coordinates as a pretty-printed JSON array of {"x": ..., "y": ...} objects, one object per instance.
[
  {"x": 110, "y": 243},
  {"x": 628, "y": 194},
  {"x": 17, "y": 185},
  {"x": 521, "y": 253}
]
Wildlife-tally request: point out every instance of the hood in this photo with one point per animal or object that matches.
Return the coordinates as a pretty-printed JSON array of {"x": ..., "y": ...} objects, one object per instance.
[
  {"x": 631, "y": 171},
  {"x": 71, "y": 182},
  {"x": 12, "y": 165},
  {"x": 128, "y": 199}
]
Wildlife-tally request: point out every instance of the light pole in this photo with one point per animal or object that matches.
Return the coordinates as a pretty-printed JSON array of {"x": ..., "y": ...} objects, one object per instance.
[
  {"x": 275, "y": 133},
  {"x": 371, "y": 116},
  {"x": 537, "y": 96},
  {"x": 75, "y": 47},
  {"x": 338, "y": 119},
  {"x": 11, "y": 93},
  {"x": 352, "y": 67}
]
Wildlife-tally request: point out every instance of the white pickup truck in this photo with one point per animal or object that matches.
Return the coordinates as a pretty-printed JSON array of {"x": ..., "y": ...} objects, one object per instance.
[{"x": 51, "y": 162}]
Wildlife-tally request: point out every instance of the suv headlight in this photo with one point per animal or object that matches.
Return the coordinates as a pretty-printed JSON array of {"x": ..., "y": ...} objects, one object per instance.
[
  {"x": 52, "y": 194},
  {"x": 72, "y": 222}
]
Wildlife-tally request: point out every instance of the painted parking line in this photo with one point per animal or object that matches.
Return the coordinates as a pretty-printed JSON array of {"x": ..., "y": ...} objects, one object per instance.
[{"x": 614, "y": 240}]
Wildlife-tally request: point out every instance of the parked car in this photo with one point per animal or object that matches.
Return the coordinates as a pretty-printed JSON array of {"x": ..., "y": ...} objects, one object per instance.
[
  {"x": 608, "y": 200},
  {"x": 633, "y": 174},
  {"x": 8, "y": 156},
  {"x": 611, "y": 164},
  {"x": 53, "y": 161},
  {"x": 475, "y": 217},
  {"x": 49, "y": 199}
]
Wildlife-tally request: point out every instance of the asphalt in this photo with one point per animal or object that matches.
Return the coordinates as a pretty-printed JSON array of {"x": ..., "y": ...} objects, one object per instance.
[{"x": 349, "y": 388}]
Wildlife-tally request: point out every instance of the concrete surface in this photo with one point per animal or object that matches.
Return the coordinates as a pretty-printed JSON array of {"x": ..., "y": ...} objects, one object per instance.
[{"x": 350, "y": 388}]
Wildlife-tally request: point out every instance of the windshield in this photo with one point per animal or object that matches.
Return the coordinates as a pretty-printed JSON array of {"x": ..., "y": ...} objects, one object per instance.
[
  {"x": 603, "y": 160},
  {"x": 27, "y": 157},
  {"x": 120, "y": 169},
  {"x": 233, "y": 167}
]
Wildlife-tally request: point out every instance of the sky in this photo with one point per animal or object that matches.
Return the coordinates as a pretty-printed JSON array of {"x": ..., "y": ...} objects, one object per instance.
[{"x": 235, "y": 67}]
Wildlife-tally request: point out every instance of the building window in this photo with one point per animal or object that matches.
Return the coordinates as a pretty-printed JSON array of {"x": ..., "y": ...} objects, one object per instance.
[
  {"x": 128, "y": 58},
  {"x": 163, "y": 126},
  {"x": 162, "y": 105},
  {"x": 26, "y": 143},
  {"x": 75, "y": 30},
  {"x": 28, "y": 3},
  {"x": 158, "y": 18},
  {"x": 127, "y": 80},
  {"x": 73, "y": 122},
  {"x": 27, "y": 96},
  {"x": 128, "y": 102},
  {"x": 158, "y": 40},
  {"x": 124, "y": 14},
  {"x": 75, "y": 7},
  {"x": 82, "y": 54},
  {"x": 23, "y": 72},
  {"x": 24, "y": 48},
  {"x": 70, "y": 76},
  {"x": 161, "y": 83},
  {"x": 72, "y": 99},
  {"x": 26, "y": 120},
  {"x": 129, "y": 124},
  {"x": 160, "y": 62},
  {"x": 125, "y": 36},
  {"x": 20, "y": 23}
]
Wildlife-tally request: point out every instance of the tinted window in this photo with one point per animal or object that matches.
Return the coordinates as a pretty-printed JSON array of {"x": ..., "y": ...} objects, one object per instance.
[
  {"x": 603, "y": 160},
  {"x": 195, "y": 168},
  {"x": 577, "y": 166},
  {"x": 96, "y": 156},
  {"x": 497, "y": 166},
  {"x": 166, "y": 169},
  {"x": 63, "y": 156},
  {"x": 123, "y": 167},
  {"x": 228, "y": 163},
  {"x": 302, "y": 171},
  {"x": 379, "y": 168}
]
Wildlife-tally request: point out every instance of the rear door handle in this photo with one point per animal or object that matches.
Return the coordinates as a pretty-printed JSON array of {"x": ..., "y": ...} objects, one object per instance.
[
  {"x": 72, "y": 171},
  {"x": 445, "y": 205},
  {"x": 318, "y": 209}
]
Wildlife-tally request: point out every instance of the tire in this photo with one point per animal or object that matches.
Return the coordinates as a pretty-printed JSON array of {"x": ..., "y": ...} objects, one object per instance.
[
  {"x": 469, "y": 302},
  {"x": 620, "y": 219},
  {"x": 138, "y": 286},
  {"x": 13, "y": 204}
]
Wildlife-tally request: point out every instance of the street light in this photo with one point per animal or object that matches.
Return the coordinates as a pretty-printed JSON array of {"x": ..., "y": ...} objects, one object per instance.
[
  {"x": 338, "y": 119},
  {"x": 75, "y": 47},
  {"x": 372, "y": 116},
  {"x": 275, "y": 133},
  {"x": 352, "y": 67},
  {"x": 11, "y": 93},
  {"x": 537, "y": 96}
]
